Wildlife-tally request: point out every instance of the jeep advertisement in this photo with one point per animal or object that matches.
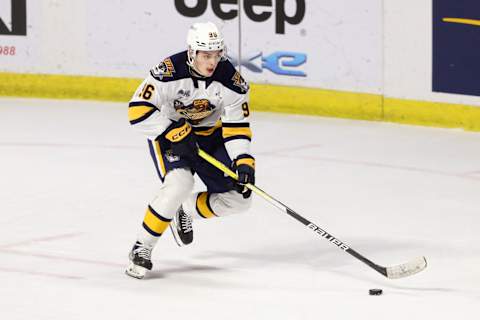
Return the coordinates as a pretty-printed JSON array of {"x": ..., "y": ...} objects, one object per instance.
[
  {"x": 284, "y": 42},
  {"x": 228, "y": 9}
]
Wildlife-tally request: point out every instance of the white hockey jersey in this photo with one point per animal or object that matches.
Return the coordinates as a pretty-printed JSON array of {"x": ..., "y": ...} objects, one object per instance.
[{"x": 172, "y": 92}]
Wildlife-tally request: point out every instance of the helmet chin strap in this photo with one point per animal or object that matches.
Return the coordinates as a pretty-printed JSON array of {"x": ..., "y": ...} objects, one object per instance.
[
  {"x": 191, "y": 65},
  {"x": 194, "y": 72}
]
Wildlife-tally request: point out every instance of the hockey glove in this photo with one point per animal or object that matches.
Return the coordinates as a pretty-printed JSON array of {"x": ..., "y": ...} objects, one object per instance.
[
  {"x": 183, "y": 140},
  {"x": 244, "y": 166}
]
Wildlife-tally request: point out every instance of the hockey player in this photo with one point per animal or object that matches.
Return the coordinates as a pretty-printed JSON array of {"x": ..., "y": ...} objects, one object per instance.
[{"x": 193, "y": 99}]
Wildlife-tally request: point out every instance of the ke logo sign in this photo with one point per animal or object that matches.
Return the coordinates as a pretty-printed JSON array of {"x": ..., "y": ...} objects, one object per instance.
[
  {"x": 283, "y": 63},
  {"x": 18, "y": 19},
  {"x": 456, "y": 35}
]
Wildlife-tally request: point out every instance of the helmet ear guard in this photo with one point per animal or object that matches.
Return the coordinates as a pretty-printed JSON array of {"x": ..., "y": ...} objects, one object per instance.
[{"x": 191, "y": 53}]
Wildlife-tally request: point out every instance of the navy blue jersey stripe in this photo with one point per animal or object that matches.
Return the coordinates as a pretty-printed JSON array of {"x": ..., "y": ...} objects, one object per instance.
[
  {"x": 142, "y": 103},
  {"x": 236, "y": 125}
]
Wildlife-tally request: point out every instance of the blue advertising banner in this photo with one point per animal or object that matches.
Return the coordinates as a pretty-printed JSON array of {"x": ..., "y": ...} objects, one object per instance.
[{"x": 456, "y": 46}]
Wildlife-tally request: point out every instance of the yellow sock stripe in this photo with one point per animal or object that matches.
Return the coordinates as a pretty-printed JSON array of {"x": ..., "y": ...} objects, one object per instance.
[
  {"x": 230, "y": 132},
  {"x": 203, "y": 208},
  {"x": 137, "y": 112},
  {"x": 248, "y": 161},
  {"x": 155, "y": 222},
  {"x": 158, "y": 153},
  {"x": 177, "y": 134}
]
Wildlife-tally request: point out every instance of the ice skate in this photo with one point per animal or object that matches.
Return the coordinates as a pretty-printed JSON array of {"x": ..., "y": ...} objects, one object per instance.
[
  {"x": 140, "y": 261},
  {"x": 181, "y": 227}
]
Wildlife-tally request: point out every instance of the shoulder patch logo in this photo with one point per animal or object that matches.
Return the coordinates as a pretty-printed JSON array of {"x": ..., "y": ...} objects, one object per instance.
[
  {"x": 164, "y": 69},
  {"x": 240, "y": 82}
]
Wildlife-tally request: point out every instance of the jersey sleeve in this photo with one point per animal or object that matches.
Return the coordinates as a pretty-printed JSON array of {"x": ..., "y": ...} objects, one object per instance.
[
  {"x": 236, "y": 131},
  {"x": 144, "y": 109}
]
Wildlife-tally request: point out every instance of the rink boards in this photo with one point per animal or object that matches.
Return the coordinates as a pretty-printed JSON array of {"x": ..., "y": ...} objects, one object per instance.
[{"x": 343, "y": 59}]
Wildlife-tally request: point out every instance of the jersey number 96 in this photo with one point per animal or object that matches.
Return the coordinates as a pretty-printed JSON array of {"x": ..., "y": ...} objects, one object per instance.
[{"x": 147, "y": 92}]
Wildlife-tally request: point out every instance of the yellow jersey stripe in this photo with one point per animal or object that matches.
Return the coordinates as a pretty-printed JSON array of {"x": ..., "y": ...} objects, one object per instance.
[
  {"x": 154, "y": 223},
  {"x": 209, "y": 131},
  {"x": 202, "y": 205},
  {"x": 137, "y": 112},
  {"x": 231, "y": 132}
]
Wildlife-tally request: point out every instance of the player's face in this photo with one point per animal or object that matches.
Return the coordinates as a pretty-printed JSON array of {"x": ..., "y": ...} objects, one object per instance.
[{"x": 207, "y": 61}]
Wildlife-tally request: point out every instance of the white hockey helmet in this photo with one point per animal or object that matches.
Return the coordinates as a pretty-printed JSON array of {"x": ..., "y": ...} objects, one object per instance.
[{"x": 204, "y": 36}]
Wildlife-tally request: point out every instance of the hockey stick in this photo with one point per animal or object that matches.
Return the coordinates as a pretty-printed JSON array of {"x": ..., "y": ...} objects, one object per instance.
[{"x": 394, "y": 272}]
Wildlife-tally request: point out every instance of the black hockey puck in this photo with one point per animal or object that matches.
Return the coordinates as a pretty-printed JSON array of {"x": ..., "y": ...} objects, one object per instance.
[{"x": 375, "y": 292}]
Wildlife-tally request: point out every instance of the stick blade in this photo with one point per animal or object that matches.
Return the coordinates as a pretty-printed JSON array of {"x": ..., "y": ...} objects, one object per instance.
[{"x": 407, "y": 269}]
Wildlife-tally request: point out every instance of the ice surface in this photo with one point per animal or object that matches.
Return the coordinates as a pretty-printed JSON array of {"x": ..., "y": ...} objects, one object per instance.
[{"x": 75, "y": 180}]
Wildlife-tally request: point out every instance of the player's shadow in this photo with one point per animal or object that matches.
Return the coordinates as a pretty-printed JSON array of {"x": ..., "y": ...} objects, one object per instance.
[
  {"x": 314, "y": 254},
  {"x": 190, "y": 269},
  {"x": 331, "y": 259}
]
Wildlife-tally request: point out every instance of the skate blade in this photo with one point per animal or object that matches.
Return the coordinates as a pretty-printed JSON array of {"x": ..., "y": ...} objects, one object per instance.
[
  {"x": 135, "y": 271},
  {"x": 175, "y": 235}
]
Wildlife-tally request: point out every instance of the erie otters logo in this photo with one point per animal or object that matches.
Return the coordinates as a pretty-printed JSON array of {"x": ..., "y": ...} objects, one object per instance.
[
  {"x": 195, "y": 112},
  {"x": 164, "y": 69}
]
